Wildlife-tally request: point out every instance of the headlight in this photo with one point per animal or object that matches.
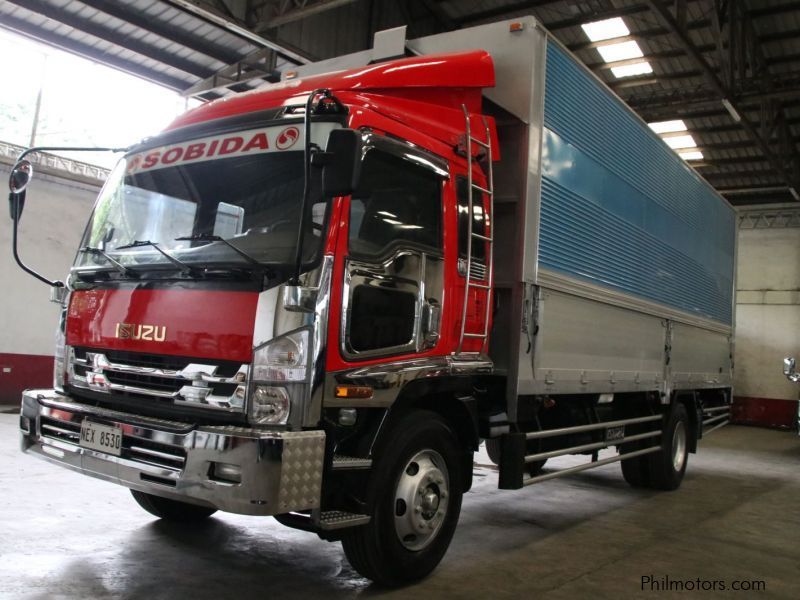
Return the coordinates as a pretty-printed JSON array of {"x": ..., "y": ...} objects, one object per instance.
[
  {"x": 269, "y": 405},
  {"x": 278, "y": 376},
  {"x": 282, "y": 359},
  {"x": 61, "y": 354}
]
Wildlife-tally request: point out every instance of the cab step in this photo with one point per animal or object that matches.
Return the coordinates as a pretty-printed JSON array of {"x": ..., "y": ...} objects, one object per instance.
[
  {"x": 341, "y": 462},
  {"x": 337, "y": 519}
]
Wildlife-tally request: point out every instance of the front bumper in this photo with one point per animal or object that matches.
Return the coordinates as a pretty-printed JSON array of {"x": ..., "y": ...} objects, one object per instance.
[{"x": 281, "y": 471}]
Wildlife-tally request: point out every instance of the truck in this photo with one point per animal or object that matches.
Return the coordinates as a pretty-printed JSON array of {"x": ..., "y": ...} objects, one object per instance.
[
  {"x": 790, "y": 371},
  {"x": 316, "y": 299}
]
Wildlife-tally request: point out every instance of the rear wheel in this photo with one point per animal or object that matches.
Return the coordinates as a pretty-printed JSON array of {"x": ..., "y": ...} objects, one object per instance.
[
  {"x": 635, "y": 470},
  {"x": 661, "y": 470},
  {"x": 415, "y": 491},
  {"x": 666, "y": 468},
  {"x": 172, "y": 510}
]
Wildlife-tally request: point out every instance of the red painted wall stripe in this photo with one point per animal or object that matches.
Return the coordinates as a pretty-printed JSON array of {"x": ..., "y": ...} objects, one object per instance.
[
  {"x": 22, "y": 371},
  {"x": 765, "y": 412}
]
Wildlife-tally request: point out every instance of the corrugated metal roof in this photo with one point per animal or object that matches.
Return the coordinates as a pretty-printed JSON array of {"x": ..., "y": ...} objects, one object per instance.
[{"x": 168, "y": 42}]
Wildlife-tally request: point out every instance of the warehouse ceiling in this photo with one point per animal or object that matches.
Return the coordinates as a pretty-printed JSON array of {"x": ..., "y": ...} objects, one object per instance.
[{"x": 727, "y": 70}]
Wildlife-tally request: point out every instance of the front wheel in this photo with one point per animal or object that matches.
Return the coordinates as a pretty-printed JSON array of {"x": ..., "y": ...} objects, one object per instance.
[
  {"x": 415, "y": 490},
  {"x": 172, "y": 510}
]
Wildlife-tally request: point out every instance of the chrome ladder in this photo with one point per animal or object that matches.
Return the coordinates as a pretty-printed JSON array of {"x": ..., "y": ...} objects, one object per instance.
[{"x": 487, "y": 282}]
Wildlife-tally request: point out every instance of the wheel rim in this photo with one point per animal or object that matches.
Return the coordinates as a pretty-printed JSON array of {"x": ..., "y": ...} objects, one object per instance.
[
  {"x": 421, "y": 500},
  {"x": 679, "y": 446}
]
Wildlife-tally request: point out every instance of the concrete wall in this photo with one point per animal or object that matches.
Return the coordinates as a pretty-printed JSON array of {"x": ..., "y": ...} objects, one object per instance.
[
  {"x": 767, "y": 324},
  {"x": 55, "y": 215}
]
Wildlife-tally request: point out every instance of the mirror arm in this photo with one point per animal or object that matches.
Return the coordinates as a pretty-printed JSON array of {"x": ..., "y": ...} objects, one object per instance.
[
  {"x": 17, "y": 198},
  {"x": 14, "y": 247},
  {"x": 68, "y": 149},
  {"x": 301, "y": 230}
]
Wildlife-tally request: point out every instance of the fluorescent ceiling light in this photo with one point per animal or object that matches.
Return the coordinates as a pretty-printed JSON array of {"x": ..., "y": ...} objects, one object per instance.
[
  {"x": 680, "y": 141},
  {"x": 630, "y": 70},
  {"x": 605, "y": 30},
  {"x": 731, "y": 110},
  {"x": 691, "y": 155},
  {"x": 668, "y": 126},
  {"x": 621, "y": 51}
]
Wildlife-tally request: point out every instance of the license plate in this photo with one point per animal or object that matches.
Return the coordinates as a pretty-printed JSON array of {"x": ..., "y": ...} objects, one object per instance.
[
  {"x": 101, "y": 437},
  {"x": 615, "y": 433}
]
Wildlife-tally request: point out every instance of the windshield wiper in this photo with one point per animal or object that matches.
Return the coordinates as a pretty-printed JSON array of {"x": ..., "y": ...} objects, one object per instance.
[
  {"x": 118, "y": 266},
  {"x": 210, "y": 237},
  {"x": 185, "y": 269}
]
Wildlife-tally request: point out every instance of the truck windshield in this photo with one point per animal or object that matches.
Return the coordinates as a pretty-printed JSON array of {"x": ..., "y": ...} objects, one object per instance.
[{"x": 242, "y": 190}]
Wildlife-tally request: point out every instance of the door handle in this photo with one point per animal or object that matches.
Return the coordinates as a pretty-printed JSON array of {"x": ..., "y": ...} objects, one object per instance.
[{"x": 431, "y": 322}]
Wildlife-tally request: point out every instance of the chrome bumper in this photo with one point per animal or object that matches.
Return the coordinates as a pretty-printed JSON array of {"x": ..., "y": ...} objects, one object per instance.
[{"x": 281, "y": 471}]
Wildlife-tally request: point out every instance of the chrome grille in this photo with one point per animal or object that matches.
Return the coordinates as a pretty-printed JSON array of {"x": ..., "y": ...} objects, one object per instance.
[{"x": 179, "y": 380}]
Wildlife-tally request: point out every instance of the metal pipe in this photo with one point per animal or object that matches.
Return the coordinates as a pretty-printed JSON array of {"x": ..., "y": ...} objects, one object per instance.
[
  {"x": 220, "y": 21},
  {"x": 534, "y": 435},
  {"x": 596, "y": 446},
  {"x": 301, "y": 227},
  {"x": 590, "y": 465},
  {"x": 754, "y": 190},
  {"x": 716, "y": 409},
  {"x": 713, "y": 429},
  {"x": 715, "y": 419}
]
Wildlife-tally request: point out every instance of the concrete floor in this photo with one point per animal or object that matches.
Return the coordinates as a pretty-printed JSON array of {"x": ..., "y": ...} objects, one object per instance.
[{"x": 737, "y": 517}]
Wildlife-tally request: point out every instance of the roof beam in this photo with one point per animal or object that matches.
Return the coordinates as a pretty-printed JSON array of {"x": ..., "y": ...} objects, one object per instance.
[
  {"x": 788, "y": 89},
  {"x": 750, "y": 174},
  {"x": 112, "y": 37},
  {"x": 302, "y": 9},
  {"x": 212, "y": 16},
  {"x": 81, "y": 49},
  {"x": 500, "y": 11},
  {"x": 126, "y": 12}
]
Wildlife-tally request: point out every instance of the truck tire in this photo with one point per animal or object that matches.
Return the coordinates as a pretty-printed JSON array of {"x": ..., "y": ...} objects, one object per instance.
[
  {"x": 415, "y": 491},
  {"x": 667, "y": 467},
  {"x": 635, "y": 470},
  {"x": 172, "y": 510},
  {"x": 493, "y": 450}
]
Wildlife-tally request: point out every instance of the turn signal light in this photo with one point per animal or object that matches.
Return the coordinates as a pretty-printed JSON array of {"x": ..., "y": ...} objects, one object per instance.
[
  {"x": 362, "y": 392},
  {"x": 516, "y": 26}
]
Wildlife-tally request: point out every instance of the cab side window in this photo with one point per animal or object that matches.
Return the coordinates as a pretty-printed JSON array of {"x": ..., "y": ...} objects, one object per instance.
[
  {"x": 478, "y": 222},
  {"x": 398, "y": 204}
]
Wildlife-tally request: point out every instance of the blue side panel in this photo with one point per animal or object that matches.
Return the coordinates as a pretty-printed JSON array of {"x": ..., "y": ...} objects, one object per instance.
[{"x": 620, "y": 209}]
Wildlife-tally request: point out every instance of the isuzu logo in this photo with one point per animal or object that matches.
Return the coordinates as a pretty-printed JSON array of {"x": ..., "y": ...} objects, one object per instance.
[{"x": 148, "y": 333}]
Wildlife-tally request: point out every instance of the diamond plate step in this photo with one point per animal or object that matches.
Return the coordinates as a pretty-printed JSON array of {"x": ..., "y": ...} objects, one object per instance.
[
  {"x": 337, "y": 519},
  {"x": 351, "y": 462}
]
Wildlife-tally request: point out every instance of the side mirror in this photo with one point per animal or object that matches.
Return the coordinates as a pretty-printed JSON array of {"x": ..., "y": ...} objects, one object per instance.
[
  {"x": 341, "y": 162},
  {"x": 20, "y": 178},
  {"x": 789, "y": 370}
]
